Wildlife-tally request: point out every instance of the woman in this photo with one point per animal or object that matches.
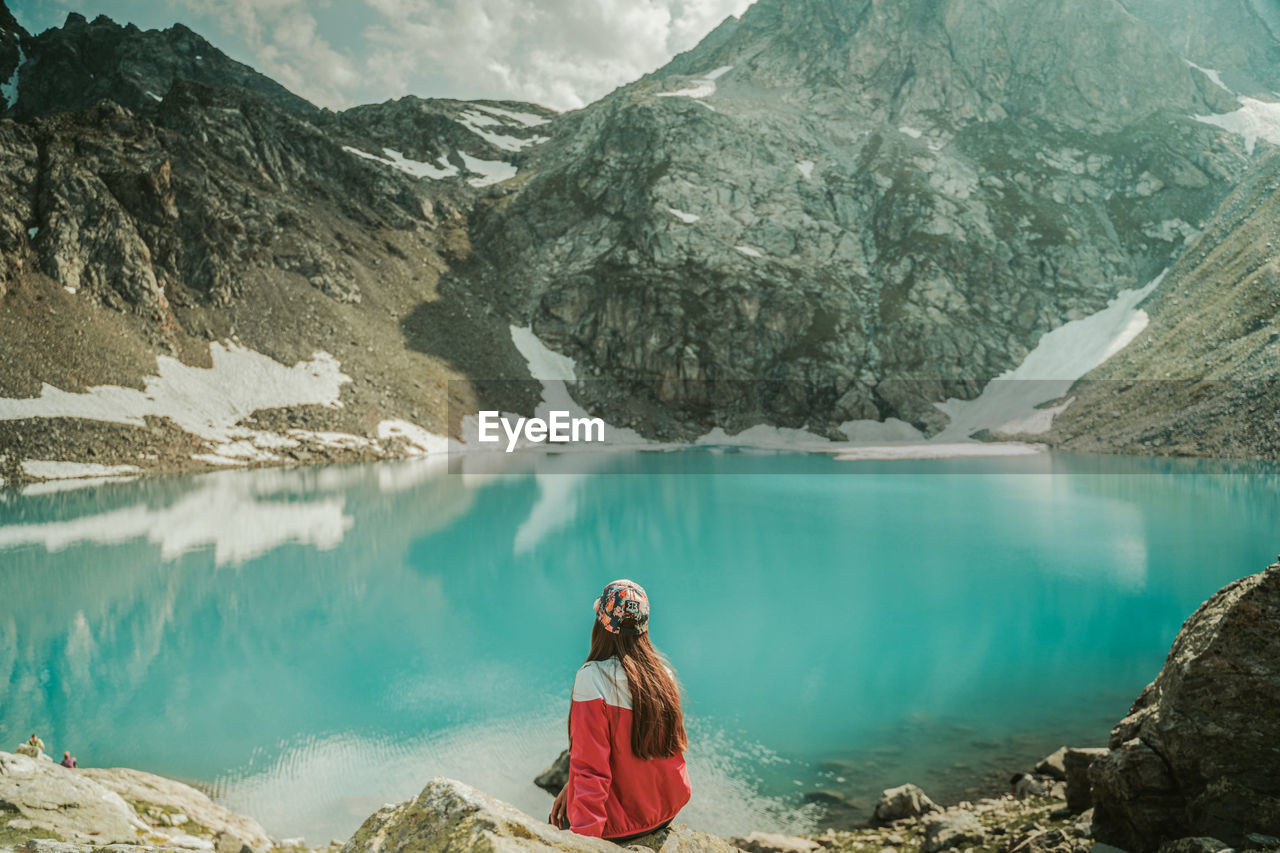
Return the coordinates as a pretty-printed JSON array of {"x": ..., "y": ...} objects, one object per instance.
[{"x": 626, "y": 732}]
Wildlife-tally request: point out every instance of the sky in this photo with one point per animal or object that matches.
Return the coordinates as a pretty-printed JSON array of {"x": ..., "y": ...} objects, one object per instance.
[{"x": 338, "y": 53}]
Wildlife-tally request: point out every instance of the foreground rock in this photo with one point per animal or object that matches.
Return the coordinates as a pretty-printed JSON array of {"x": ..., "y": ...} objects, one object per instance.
[
  {"x": 1199, "y": 752},
  {"x": 952, "y": 831},
  {"x": 450, "y": 815},
  {"x": 95, "y": 808}
]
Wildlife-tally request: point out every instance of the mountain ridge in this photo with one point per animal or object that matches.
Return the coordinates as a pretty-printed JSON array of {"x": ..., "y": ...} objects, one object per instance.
[{"x": 823, "y": 213}]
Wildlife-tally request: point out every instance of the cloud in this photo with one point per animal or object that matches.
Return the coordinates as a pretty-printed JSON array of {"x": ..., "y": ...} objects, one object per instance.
[
  {"x": 285, "y": 43},
  {"x": 559, "y": 53}
]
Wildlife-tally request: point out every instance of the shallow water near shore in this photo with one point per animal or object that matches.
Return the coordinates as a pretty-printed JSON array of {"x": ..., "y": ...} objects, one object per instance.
[{"x": 311, "y": 644}]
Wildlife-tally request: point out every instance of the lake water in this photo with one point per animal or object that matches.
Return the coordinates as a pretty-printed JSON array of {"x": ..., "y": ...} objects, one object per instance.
[{"x": 314, "y": 643}]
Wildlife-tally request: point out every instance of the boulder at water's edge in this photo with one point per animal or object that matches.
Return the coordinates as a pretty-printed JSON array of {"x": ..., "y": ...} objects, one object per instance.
[
  {"x": 450, "y": 815},
  {"x": 1199, "y": 752}
]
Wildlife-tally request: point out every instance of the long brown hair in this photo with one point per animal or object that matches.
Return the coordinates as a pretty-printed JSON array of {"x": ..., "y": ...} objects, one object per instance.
[{"x": 657, "y": 723}]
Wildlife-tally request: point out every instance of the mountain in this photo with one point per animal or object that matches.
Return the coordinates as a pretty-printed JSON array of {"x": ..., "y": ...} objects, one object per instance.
[
  {"x": 870, "y": 206},
  {"x": 1241, "y": 44},
  {"x": 1203, "y": 379},
  {"x": 824, "y": 212},
  {"x": 75, "y": 66},
  {"x": 228, "y": 212}
]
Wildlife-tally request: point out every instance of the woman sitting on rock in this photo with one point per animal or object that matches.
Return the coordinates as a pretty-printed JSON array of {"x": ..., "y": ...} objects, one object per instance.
[{"x": 627, "y": 775}]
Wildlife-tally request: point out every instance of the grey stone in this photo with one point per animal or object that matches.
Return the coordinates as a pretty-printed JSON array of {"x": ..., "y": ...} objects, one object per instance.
[
  {"x": 1076, "y": 763},
  {"x": 65, "y": 802},
  {"x": 1196, "y": 756},
  {"x": 178, "y": 804},
  {"x": 1052, "y": 765},
  {"x": 769, "y": 842},
  {"x": 901, "y": 802},
  {"x": 449, "y": 815},
  {"x": 953, "y": 830}
]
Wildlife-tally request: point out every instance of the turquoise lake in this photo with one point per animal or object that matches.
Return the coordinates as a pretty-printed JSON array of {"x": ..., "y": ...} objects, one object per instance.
[{"x": 311, "y": 644}]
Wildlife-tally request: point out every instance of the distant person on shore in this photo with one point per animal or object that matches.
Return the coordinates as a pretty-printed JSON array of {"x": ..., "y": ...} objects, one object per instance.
[
  {"x": 627, "y": 774},
  {"x": 68, "y": 760},
  {"x": 35, "y": 743}
]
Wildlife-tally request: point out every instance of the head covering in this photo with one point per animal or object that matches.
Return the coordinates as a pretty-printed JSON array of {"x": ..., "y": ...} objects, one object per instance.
[{"x": 623, "y": 601}]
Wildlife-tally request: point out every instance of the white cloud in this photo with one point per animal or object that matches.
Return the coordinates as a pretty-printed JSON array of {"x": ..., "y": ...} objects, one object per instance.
[
  {"x": 559, "y": 53},
  {"x": 286, "y": 44}
]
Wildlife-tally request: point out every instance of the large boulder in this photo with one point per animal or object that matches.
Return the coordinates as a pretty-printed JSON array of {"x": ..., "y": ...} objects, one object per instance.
[
  {"x": 167, "y": 802},
  {"x": 42, "y": 797},
  {"x": 904, "y": 801},
  {"x": 450, "y": 815},
  {"x": 1076, "y": 764},
  {"x": 96, "y": 808},
  {"x": 1199, "y": 751}
]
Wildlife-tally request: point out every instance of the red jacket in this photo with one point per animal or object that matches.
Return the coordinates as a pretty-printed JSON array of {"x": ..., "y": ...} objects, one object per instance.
[{"x": 611, "y": 792}]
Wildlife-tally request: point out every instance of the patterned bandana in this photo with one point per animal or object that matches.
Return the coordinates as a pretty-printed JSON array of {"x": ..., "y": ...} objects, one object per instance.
[{"x": 623, "y": 599}]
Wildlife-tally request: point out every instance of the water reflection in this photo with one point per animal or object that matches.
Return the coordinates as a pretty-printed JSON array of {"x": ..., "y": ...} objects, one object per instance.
[{"x": 319, "y": 641}]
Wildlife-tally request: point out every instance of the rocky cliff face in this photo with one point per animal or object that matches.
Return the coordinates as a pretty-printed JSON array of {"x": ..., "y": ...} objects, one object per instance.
[
  {"x": 73, "y": 67},
  {"x": 159, "y": 197},
  {"x": 1202, "y": 378},
  {"x": 827, "y": 211},
  {"x": 1241, "y": 45},
  {"x": 872, "y": 206},
  {"x": 1198, "y": 752}
]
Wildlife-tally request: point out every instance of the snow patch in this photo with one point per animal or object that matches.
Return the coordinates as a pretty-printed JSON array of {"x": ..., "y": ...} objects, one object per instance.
[
  {"x": 206, "y": 402},
  {"x": 32, "y": 232},
  {"x": 418, "y": 441},
  {"x": 1009, "y": 402},
  {"x": 750, "y": 251},
  {"x": 545, "y": 364},
  {"x": 416, "y": 168},
  {"x": 9, "y": 89},
  {"x": 702, "y": 87},
  {"x": 805, "y": 168},
  {"x": 1254, "y": 120},
  {"x": 153, "y": 96},
  {"x": 687, "y": 218},
  {"x": 553, "y": 370},
  {"x": 51, "y": 470},
  {"x": 911, "y": 131},
  {"x": 478, "y": 123},
  {"x": 1211, "y": 74},
  {"x": 489, "y": 171}
]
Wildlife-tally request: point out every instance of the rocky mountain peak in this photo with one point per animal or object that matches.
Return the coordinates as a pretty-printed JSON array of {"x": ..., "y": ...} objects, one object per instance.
[
  {"x": 1082, "y": 62},
  {"x": 866, "y": 206},
  {"x": 82, "y": 62}
]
